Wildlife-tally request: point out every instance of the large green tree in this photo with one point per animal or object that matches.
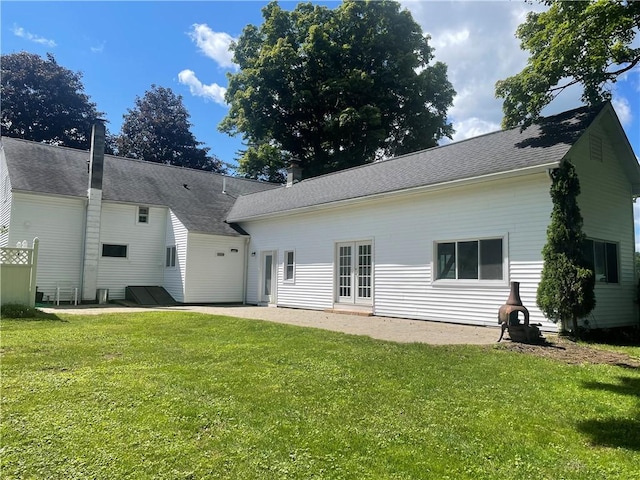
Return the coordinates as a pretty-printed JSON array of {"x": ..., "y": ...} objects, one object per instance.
[
  {"x": 44, "y": 102},
  {"x": 158, "y": 130},
  {"x": 587, "y": 42},
  {"x": 566, "y": 289},
  {"x": 334, "y": 88}
]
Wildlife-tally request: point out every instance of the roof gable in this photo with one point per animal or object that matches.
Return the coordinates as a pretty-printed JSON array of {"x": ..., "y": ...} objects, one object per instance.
[
  {"x": 541, "y": 144},
  {"x": 195, "y": 196}
]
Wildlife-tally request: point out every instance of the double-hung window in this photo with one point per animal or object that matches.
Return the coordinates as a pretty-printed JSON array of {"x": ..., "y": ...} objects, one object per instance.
[
  {"x": 470, "y": 260},
  {"x": 289, "y": 266},
  {"x": 143, "y": 214},
  {"x": 170, "y": 260},
  {"x": 602, "y": 258}
]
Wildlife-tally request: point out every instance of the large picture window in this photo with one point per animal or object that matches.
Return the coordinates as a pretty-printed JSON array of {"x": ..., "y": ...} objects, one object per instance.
[
  {"x": 602, "y": 258},
  {"x": 470, "y": 260}
]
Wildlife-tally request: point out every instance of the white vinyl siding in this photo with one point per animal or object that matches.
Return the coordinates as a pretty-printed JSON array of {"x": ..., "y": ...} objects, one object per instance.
[
  {"x": 59, "y": 224},
  {"x": 5, "y": 201},
  {"x": 607, "y": 209},
  {"x": 215, "y": 266},
  {"x": 403, "y": 232},
  {"x": 174, "y": 278},
  {"x": 144, "y": 264}
]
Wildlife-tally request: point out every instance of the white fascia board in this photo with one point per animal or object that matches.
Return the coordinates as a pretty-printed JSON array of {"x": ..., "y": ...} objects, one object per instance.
[{"x": 405, "y": 192}]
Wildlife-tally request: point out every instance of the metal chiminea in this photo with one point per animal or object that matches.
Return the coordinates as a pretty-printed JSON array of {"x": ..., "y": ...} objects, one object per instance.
[{"x": 508, "y": 313}]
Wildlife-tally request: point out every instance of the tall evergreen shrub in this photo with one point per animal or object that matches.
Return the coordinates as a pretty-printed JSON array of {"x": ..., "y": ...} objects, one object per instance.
[{"x": 566, "y": 289}]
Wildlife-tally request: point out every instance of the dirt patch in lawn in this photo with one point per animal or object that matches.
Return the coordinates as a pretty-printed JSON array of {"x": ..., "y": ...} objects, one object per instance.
[{"x": 564, "y": 350}]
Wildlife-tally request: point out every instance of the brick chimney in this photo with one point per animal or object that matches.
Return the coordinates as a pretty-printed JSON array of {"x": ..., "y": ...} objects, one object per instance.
[
  {"x": 294, "y": 172},
  {"x": 94, "y": 214}
]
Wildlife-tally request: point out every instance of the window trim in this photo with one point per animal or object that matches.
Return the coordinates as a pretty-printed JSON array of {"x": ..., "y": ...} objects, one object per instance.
[
  {"x": 170, "y": 256},
  {"x": 606, "y": 263},
  {"x": 285, "y": 265},
  {"x": 471, "y": 282},
  {"x": 126, "y": 249},
  {"x": 140, "y": 215}
]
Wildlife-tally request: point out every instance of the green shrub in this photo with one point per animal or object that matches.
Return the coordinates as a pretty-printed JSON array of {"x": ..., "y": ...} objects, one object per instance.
[{"x": 16, "y": 310}]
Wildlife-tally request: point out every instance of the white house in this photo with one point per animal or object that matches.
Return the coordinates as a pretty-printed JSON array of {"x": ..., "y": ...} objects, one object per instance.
[
  {"x": 107, "y": 222},
  {"x": 440, "y": 234},
  {"x": 437, "y": 234}
]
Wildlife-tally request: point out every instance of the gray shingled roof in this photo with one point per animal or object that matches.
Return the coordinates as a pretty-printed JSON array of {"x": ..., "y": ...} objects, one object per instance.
[
  {"x": 201, "y": 206},
  {"x": 541, "y": 144}
]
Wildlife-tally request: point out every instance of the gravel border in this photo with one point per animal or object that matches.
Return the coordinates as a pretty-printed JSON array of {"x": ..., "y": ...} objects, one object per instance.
[{"x": 383, "y": 328}]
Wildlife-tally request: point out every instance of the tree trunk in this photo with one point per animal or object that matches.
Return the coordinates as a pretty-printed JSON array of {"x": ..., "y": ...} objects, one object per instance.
[
  {"x": 564, "y": 327},
  {"x": 574, "y": 321}
]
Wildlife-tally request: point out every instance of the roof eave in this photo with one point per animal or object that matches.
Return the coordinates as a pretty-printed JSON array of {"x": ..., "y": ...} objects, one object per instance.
[
  {"x": 23, "y": 191},
  {"x": 407, "y": 191}
]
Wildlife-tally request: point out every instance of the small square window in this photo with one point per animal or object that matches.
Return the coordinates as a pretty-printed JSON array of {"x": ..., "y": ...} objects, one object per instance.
[{"x": 143, "y": 214}]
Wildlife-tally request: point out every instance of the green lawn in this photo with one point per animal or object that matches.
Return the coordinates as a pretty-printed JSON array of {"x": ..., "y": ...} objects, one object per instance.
[{"x": 185, "y": 395}]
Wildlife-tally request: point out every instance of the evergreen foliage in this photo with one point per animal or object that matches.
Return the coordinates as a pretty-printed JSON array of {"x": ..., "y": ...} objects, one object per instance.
[
  {"x": 566, "y": 289},
  {"x": 45, "y": 102},
  {"x": 158, "y": 130}
]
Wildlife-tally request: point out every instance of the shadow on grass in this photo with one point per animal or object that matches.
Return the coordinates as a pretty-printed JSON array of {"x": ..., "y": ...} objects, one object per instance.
[
  {"x": 615, "y": 432},
  {"x": 39, "y": 317},
  {"x": 620, "y": 336}
]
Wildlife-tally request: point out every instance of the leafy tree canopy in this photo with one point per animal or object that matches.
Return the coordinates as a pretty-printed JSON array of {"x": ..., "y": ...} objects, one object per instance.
[
  {"x": 586, "y": 42},
  {"x": 334, "y": 88},
  {"x": 44, "y": 102},
  {"x": 158, "y": 130},
  {"x": 566, "y": 289}
]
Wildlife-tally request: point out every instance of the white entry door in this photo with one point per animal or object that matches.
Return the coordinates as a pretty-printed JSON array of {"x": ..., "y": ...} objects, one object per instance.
[
  {"x": 354, "y": 272},
  {"x": 268, "y": 280}
]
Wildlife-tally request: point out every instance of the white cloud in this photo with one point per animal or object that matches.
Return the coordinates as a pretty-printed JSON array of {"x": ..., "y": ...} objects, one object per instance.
[
  {"x": 98, "y": 48},
  {"x": 22, "y": 33},
  {"x": 623, "y": 110},
  {"x": 472, "y": 127},
  {"x": 211, "y": 92},
  {"x": 214, "y": 45},
  {"x": 477, "y": 42},
  {"x": 449, "y": 38}
]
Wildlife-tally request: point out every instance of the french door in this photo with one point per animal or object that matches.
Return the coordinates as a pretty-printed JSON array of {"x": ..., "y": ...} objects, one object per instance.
[{"x": 354, "y": 272}]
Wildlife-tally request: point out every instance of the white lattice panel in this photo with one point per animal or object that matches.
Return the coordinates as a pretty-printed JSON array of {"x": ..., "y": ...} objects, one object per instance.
[{"x": 15, "y": 256}]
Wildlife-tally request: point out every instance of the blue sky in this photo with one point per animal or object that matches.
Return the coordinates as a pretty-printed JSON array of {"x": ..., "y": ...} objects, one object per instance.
[{"x": 122, "y": 48}]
